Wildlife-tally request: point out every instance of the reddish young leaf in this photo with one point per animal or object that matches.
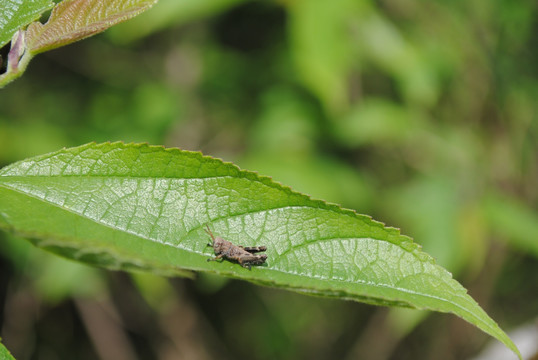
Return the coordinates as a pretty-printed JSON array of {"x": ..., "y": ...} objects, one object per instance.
[{"x": 73, "y": 20}]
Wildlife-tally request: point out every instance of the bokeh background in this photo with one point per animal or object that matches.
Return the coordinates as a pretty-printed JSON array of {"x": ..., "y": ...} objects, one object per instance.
[{"x": 421, "y": 114}]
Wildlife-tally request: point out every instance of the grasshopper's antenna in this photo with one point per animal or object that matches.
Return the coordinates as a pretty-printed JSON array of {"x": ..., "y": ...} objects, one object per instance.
[{"x": 208, "y": 231}]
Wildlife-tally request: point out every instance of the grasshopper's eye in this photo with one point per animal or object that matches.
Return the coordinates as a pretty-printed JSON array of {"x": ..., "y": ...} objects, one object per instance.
[{"x": 218, "y": 243}]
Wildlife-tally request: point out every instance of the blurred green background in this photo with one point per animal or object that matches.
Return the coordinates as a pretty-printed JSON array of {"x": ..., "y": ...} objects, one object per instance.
[{"x": 421, "y": 114}]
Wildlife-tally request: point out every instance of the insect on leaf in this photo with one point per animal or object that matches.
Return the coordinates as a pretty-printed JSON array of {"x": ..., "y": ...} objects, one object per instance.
[{"x": 145, "y": 207}]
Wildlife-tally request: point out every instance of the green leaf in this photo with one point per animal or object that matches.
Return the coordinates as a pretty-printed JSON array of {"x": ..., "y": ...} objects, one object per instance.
[
  {"x": 145, "y": 207},
  {"x": 16, "y": 14},
  {"x": 73, "y": 20},
  {"x": 4, "y": 353}
]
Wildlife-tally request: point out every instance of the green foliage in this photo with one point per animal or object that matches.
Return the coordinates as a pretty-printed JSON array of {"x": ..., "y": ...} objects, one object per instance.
[{"x": 140, "y": 207}]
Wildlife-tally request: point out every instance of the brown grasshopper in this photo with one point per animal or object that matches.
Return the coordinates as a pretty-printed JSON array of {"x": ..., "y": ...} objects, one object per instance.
[{"x": 245, "y": 256}]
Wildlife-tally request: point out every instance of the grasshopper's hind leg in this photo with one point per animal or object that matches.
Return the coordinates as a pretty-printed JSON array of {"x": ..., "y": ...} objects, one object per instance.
[{"x": 254, "y": 249}]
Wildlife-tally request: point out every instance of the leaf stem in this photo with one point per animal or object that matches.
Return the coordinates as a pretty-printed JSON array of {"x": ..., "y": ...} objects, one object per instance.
[{"x": 17, "y": 60}]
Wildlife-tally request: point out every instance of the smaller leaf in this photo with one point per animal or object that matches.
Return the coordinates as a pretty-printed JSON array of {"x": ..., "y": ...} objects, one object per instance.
[
  {"x": 16, "y": 14},
  {"x": 73, "y": 20}
]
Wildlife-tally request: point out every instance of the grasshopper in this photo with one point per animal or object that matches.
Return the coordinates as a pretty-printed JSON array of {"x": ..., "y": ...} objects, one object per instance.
[{"x": 245, "y": 256}]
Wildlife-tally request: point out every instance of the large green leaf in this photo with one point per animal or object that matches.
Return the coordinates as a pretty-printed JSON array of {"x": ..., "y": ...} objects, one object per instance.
[
  {"x": 145, "y": 207},
  {"x": 15, "y": 15}
]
